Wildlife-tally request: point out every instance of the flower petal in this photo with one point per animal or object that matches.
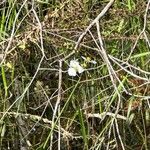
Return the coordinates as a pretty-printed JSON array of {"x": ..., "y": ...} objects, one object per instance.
[
  {"x": 93, "y": 62},
  {"x": 83, "y": 58},
  {"x": 80, "y": 69},
  {"x": 72, "y": 72},
  {"x": 74, "y": 63}
]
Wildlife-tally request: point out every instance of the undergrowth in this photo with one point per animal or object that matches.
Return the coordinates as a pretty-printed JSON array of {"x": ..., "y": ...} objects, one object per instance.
[{"x": 103, "y": 108}]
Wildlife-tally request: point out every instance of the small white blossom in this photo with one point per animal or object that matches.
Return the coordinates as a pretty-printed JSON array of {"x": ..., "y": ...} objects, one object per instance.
[
  {"x": 72, "y": 72},
  {"x": 74, "y": 64},
  {"x": 74, "y": 67}
]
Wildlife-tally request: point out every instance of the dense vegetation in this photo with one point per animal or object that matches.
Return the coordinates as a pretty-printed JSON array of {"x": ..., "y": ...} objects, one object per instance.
[{"x": 106, "y": 106}]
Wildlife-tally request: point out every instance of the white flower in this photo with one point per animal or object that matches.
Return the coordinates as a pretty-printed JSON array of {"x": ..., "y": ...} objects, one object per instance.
[
  {"x": 74, "y": 67},
  {"x": 74, "y": 63},
  {"x": 72, "y": 72}
]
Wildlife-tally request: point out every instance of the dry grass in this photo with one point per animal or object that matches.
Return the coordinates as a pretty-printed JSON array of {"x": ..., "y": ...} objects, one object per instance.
[{"x": 105, "y": 107}]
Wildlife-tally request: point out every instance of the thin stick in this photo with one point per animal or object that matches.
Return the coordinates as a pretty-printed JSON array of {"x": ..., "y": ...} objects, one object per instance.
[
  {"x": 38, "y": 119},
  {"x": 12, "y": 32},
  {"x": 142, "y": 32},
  {"x": 93, "y": 22},
  {"x": 37, "y": 70},
  {"x": 56, "y": 107},
  {"x": 102, "y": 115}
]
